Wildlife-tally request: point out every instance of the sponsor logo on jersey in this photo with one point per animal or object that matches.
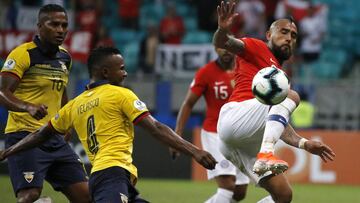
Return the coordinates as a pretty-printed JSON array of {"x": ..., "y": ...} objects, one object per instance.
[
  {"x": 139, "y": 105},
  {"x": 57, "y": 116},
  {"x": 29, "y": 176},
  {"x": 43, "y": 66},
  {"x": 219, "y": 82},
  {"x": 124, "y": 198},
  {"x": 9, "y": 64},
  {"x": 272, "y": 60}
]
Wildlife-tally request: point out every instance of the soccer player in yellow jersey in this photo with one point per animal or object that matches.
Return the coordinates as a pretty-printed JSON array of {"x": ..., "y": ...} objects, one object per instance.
[
  {"x": 103, "y": 117},
  {"x": 32, "y": 87}
]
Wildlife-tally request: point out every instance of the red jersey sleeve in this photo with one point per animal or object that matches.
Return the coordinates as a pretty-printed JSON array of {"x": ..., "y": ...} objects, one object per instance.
[
  {"x": 199, "y": 84},
  {"x": 252, "y": 48},
  {"x": 256, "y": 55}
]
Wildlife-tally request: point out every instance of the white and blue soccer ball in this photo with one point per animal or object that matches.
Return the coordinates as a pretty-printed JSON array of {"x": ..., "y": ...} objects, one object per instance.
[{"x": 270, "y": 85}]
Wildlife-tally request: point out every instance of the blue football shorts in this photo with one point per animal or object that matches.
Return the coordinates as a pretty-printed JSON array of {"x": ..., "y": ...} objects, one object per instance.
[
  {"x": 59, "y": 165},
  {"x": 113, "y": 185}
]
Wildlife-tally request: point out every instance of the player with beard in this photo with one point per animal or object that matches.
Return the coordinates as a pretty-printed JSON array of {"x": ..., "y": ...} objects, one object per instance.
[{"x": 248, "y": 129}]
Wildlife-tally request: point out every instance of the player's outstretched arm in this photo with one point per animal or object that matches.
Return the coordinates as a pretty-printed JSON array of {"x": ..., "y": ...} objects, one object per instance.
[
  {"x": 169, "y": 137},
  {"x": 8, "y": 84},
  {"x": 290, "y": 137},
  {"x": 185, "y": 111},
  {"x": 183, "y": 116},
  {"x": 222, "y": 37},
  {"x": 32, "y": 140}
]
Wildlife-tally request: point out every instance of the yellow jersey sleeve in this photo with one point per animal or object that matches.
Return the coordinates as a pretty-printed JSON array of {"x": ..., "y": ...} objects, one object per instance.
[
  {"x": 62, "y": 121},
  {"x": 132, "y": 106},
  {"x": 17, "y": 62}
]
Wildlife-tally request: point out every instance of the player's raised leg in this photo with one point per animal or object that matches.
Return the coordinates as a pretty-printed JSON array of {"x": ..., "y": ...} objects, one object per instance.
[{"x": 278, "y": 118}]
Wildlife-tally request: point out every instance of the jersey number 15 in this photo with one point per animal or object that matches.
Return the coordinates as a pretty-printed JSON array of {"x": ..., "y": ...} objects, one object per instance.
[{"x": 221, "y": 92}]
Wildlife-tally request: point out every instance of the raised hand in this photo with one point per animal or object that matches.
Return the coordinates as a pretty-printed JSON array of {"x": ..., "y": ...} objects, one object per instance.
[
  {"x": 226, "y": 14},
  {"x": 205, "y": 159},
  {"x": 37, "y": 111},
  {"x": 320, "y": 149}
]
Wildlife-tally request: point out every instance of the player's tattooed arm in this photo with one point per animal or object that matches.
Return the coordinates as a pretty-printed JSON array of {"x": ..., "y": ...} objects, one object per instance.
[
  {"x": 290, "y": 137},
  {"x": 222, "y": 39}
]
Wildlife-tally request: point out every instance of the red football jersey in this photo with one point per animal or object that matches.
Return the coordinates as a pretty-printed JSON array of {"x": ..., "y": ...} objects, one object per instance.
[
  {"x": 255, "y": 56},
  {"x": 216, "y": 85}
]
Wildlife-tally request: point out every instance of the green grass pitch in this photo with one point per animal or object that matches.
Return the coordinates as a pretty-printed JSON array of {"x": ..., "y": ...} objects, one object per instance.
[{"x": 183, "y": 191}]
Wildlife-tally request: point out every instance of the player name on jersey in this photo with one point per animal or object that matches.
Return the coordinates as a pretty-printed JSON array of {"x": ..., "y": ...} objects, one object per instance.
[{"x": 88, "y": 106}]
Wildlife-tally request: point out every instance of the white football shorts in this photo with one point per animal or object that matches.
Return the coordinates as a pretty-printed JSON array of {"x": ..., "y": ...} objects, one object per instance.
[
  {"x": 210, "y": 142},
  {"x": 241, "y": 127}
]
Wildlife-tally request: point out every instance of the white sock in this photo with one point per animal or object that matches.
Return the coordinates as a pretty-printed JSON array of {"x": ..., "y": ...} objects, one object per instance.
[
  {"x": 44, "y": 200},
  {"x": 221, "y": 196},
  {"x": 266, "y": 199},
  {"x": 277, "y": 120}
]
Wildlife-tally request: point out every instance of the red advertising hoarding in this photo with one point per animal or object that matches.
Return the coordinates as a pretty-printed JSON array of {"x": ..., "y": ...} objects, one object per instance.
[{"x": 77, "y": 43}]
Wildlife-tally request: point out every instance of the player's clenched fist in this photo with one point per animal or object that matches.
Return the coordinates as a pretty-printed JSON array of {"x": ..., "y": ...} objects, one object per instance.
[
  {"x": 205, "y": 159},
  {"x": 37, "y": 111}
]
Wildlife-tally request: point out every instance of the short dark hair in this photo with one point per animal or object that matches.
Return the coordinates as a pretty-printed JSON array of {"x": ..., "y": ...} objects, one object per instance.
[
  {"x": 50, "y": 8},
  {"x": 97, "y": 56},
  {"x": 290, "y": 18}
]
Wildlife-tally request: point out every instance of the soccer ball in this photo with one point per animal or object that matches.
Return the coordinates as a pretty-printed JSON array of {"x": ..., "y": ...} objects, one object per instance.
[{"x": 270, "y": 85}]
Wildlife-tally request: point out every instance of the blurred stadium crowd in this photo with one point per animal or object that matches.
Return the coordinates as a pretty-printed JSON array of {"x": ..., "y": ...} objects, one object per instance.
[{"x": 325, "y": 68}]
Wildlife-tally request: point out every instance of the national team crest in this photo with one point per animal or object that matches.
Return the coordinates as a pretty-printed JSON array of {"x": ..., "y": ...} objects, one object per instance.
[
  {"x": 232, "y": 83},
  {"x": 29, "y": 176},
  {"x": 124, "y": 198},
  {"x": 63, "y": 66}
]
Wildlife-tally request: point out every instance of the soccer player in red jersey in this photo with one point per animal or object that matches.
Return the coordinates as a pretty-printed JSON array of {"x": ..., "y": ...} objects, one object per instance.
[
  {"x": 249, "y": 129},
  {"x": 215, "y": 81}
]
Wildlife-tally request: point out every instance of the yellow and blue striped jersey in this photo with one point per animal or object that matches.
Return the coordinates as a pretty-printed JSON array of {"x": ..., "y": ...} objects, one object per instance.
[
  {"x": 42, "y": 79},
  {"x": 103, "y": 117}
]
